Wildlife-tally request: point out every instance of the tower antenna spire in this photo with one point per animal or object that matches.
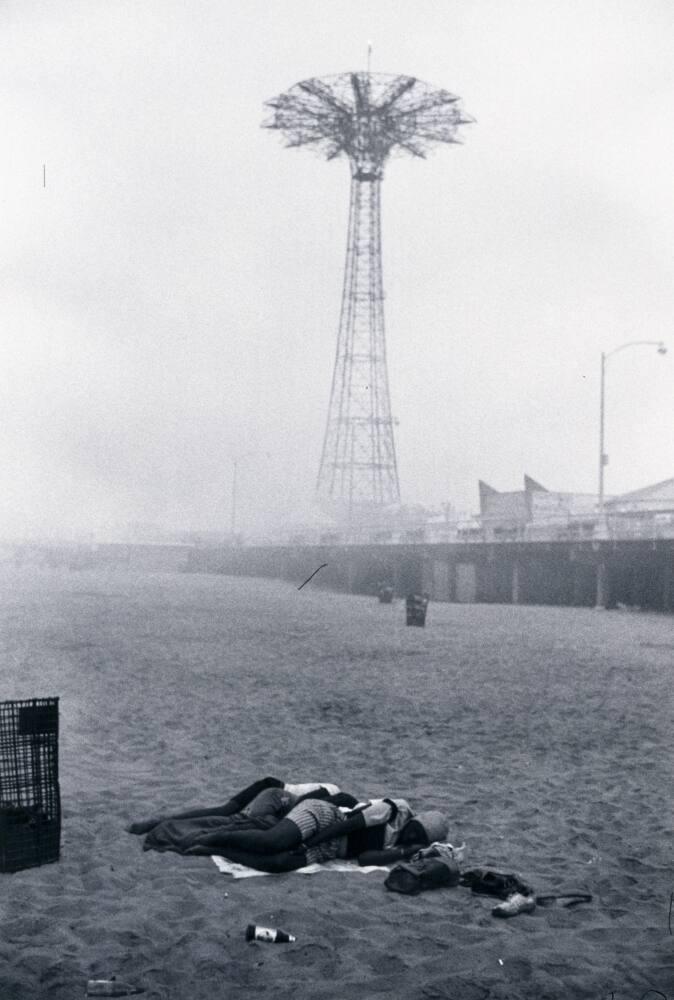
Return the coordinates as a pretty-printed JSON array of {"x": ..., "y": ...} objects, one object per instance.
[
  {"x": 369, "y": 57},
  {"x": 364, "y": 117}
]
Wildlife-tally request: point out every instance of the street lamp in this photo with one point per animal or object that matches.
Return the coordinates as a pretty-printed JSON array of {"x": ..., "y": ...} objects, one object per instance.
[
  {"x": 603, "y": 457},
  {"x": 235, "y": 468}
]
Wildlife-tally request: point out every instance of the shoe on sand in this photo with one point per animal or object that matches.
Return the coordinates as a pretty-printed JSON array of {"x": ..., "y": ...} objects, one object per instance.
[{"x": 517, "y": 903}]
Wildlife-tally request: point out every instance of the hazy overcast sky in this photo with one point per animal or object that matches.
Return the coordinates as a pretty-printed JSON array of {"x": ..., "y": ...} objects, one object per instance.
[{"x": 170, "y": 299}]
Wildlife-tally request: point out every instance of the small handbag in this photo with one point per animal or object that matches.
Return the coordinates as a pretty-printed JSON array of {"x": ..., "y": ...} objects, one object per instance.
[{"x": 420, "y": 874}]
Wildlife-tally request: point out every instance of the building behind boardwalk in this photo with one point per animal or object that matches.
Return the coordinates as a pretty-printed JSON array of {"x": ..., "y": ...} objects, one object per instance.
[
  {"x": 535, "y": 512},
  {"x": 652, "y": 506},
  {"x": 538, "y": 514}
]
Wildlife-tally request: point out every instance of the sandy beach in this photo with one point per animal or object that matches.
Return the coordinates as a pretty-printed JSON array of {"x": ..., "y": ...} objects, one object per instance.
[{"x": 544, "y": 733}]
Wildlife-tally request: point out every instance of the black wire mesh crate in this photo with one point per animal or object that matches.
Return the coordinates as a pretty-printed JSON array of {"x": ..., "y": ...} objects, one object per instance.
[{"x": 30, "y": 801}]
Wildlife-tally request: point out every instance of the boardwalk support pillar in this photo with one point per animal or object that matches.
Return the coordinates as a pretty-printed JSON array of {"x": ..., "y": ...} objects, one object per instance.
[
  {"x": 602, "y": 585},
  {"x": 515, "y": 583}
]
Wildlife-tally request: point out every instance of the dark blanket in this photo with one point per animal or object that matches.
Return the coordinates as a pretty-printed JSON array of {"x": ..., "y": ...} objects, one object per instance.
[{"x": 180, "y": 834}]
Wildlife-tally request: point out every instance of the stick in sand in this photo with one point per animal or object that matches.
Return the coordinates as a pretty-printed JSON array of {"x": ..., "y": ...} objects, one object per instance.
[{"x": 312, "y": 576}]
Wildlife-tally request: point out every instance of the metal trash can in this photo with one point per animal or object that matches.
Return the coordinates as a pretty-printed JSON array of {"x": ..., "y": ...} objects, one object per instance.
[
  {"x": 30, "y": 801},
  {"x": 386, "y": 595},
  {"x": 415, "y": 609}
]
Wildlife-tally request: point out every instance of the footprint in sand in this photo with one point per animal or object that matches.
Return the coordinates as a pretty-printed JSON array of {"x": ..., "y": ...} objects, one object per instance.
[
  {"x": 24, "y": 927},
  {"x": 598, "y": 933},
  {"x": 517, "y": 969},
  {"x": 388, "y": 965},
  {"x": 558, "y": 969},
  {"x": 631, "y": 864},
  {"x": 455, "y": 988},
  {"x": 309, "y": 955}
]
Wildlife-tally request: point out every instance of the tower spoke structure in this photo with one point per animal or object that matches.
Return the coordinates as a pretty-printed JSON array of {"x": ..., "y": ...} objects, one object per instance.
[{"x": 365, "y": 117}]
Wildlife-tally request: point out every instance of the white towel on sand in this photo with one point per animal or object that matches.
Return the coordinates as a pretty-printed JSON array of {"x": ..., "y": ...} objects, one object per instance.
[{"x": 241, "y": 871}]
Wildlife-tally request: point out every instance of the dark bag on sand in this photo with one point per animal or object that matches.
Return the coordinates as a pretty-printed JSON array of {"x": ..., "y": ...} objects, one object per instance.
[
  {"x": 490, "y": 883},
  {"x": 412, "y": 877}
]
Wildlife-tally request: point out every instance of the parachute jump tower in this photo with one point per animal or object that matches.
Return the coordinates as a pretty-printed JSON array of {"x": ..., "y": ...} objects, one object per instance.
[{"x": 366, "y": 117}]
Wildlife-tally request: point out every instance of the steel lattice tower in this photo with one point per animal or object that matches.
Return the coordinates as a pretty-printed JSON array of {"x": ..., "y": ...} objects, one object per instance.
[{"x": 366, "y": 117}]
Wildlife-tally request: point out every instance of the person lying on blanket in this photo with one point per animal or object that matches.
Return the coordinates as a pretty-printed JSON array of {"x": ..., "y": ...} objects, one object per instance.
[
  {"x": 257, "y": 807},
  {"x": 380, "y": 832}
]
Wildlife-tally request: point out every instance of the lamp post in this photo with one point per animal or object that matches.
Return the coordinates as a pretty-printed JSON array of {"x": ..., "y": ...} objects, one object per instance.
[
  {"x": 603, "y": 457},
  {"x": 235, "y": 468}
]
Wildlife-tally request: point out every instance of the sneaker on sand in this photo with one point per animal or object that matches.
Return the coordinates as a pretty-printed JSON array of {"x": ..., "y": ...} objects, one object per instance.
[{"x": 517, "y": 903}]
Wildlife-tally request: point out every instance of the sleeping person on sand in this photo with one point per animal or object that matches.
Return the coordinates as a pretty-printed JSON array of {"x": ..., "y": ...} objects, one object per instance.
[
  {"x": 380, "y": 832},
  {"x": 258, "y": 807}
]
